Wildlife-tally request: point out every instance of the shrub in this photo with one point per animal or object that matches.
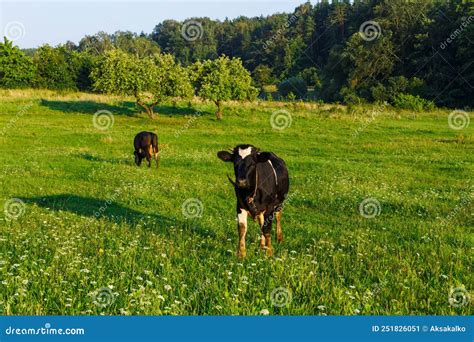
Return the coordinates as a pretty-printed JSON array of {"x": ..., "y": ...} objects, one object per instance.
[
  {"x": 295, "y": 85},
  {"x": 397, "y": 85},
  {"x": 311, "y": 77},
  {"x": 350, "y": 96},
  {"x": 55, "y": 68},
  {"x": 16, "y": 69},
  {"x": 83, "y": 66},
  {"x": 262, "y": 75},
  {"x": 408, "y": 101}
]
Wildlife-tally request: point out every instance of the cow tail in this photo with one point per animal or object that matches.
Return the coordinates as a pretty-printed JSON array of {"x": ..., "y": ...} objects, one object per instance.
[
  {"x": 155, "y": 149},
  {"x": 155, "y": 144}
]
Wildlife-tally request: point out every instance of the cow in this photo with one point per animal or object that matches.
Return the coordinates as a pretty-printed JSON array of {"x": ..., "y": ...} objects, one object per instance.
[
  {"x": 146, "y": 146},
  {"x": 261, "y": 185}
]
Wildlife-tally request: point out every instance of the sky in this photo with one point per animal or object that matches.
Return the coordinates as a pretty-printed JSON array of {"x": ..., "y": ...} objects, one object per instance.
[{"x": 33, "y": 23}]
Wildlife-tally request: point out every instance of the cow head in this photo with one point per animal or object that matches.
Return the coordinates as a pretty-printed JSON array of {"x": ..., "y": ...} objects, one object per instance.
[
  {"x": 138, "y": 157},
  {"x": 245, "y": 159}
]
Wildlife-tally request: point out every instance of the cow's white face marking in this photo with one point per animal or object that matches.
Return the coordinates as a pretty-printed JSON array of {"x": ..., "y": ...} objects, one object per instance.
[{"x": 244, "y": 152}]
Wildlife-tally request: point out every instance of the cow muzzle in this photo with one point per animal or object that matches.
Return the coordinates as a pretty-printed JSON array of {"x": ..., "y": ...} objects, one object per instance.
[{"x": 242, "y": 183}]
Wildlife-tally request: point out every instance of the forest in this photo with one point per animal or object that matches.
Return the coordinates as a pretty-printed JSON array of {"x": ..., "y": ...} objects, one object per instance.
[{"x": 415, "y": 53}]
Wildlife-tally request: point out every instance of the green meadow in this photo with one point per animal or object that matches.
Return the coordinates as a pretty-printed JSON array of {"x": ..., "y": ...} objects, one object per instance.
[{"x": 379, "y": 217}]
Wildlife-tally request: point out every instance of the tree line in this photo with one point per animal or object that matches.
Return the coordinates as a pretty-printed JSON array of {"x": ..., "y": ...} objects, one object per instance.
[{"x": 406, "y": 53}]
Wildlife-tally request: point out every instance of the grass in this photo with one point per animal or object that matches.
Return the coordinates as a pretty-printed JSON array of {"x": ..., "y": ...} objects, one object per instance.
[{"x": 98, "y": 235}]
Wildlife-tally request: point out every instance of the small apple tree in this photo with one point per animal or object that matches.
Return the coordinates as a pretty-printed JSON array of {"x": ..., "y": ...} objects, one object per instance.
[
  {"x": 151, "y": 80},
  {"x": 222, "y": 79}
]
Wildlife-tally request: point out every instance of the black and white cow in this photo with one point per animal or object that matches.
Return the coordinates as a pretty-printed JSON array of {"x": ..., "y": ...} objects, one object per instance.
[{"x": 261, "y": 185}]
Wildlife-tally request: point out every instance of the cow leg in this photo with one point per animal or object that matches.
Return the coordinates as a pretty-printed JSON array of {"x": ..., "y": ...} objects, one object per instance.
[
  {"x": 261, "y": 220},
  {"x": 279, "y": 231},
  {"x": 157, "y": 159},
  {"x": 149, "y": 154},
  {"x": 267, "y": 233},
  {"x": 242, "y": 229}
]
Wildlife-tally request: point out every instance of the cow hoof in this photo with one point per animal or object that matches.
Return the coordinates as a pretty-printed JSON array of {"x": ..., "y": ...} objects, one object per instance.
[
  {"x": 268, "y": 250},
  {"x": 241, "y": 253}
]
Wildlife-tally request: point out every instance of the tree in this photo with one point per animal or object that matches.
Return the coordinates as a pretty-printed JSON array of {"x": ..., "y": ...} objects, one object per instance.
[
  {"x": 311, "y": 77},
  {"x": 150, "y": 80},
  {"x": 55, "y": 68},
  {"x": 262, "y": 75},
  {"x": 97, "y": 44},
  {"x": 133, "y": 44},
  {"x": 293, "y": 85},
  {"x": 221, "y": 80},
  {"x": 16, "y": 69},
  {"x": 84, "y": 63}
]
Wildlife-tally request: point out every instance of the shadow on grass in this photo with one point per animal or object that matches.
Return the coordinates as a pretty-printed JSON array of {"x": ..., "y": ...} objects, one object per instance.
[
  {"x": 176, "y": 110},
  {"x": 96, "y": 209},
  {"x": 91, "y": 107},
  {"x": 123, "y": 108}
]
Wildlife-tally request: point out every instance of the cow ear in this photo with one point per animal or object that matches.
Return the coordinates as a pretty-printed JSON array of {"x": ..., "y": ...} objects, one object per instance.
[
  {"x": 263, "y": 157},
  {"x": 225, "y": 156}
]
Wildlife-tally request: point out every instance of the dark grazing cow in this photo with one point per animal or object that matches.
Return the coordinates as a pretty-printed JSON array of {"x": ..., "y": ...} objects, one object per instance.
[
  {"x": 261, "y": 185},
  {"x": 146, "y": 146}
]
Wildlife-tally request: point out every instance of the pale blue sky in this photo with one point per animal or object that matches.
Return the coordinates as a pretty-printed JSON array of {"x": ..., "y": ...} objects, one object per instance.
[{"x": 55, "y": 22}]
